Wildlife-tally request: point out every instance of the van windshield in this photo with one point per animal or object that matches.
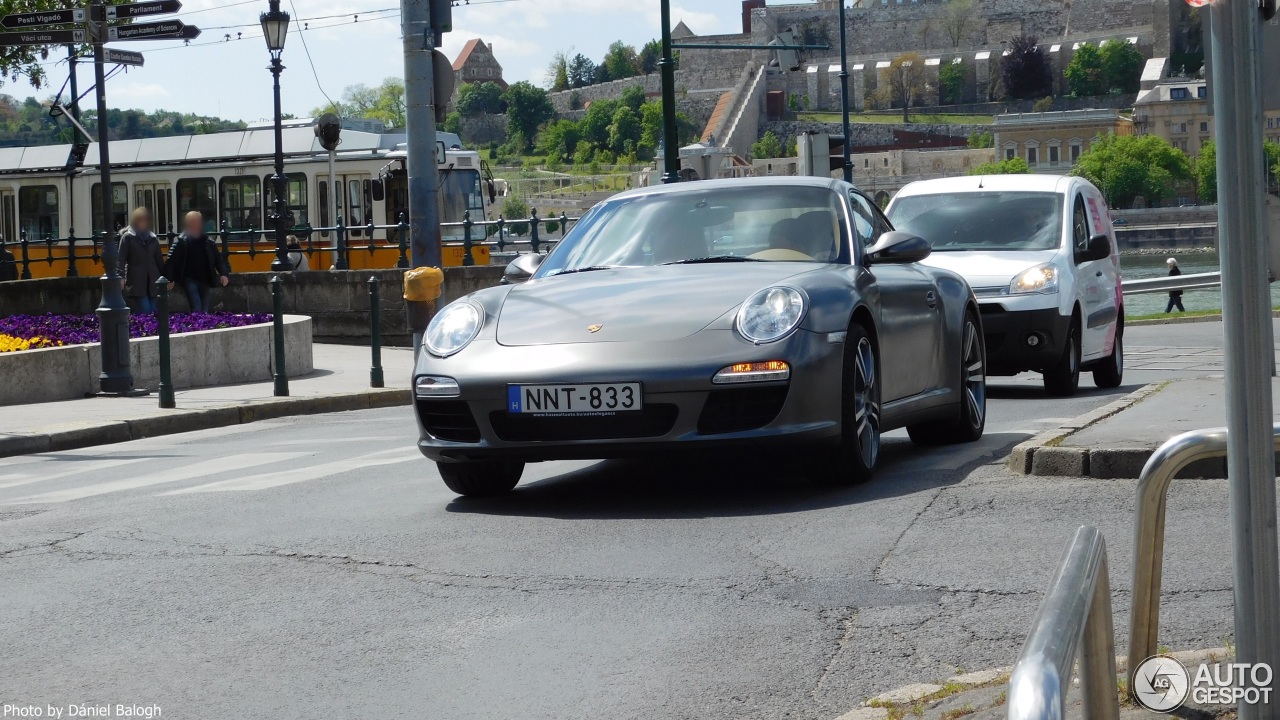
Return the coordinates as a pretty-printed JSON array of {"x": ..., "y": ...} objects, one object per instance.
[{"x": 987, "y": 221}]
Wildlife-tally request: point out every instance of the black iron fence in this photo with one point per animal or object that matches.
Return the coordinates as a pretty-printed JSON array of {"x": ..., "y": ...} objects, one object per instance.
[{"x": 536, "y": 234}]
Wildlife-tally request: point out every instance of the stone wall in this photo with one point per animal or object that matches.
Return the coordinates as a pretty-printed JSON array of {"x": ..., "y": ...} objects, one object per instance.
[
  {"x": 696, "y": 91},
  {"x": 336, "y": 301},
  {"x": 480, "y": 130},
  {"x": 876, "y": 135}
]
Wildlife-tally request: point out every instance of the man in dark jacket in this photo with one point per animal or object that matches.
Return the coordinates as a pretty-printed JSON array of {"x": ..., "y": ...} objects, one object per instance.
[
  {"x": 195, "y": 264},
  {"x": 140, "y": 262},
  {"x": 8, "y": 265},
  {"x": 1175, "y": 296}
]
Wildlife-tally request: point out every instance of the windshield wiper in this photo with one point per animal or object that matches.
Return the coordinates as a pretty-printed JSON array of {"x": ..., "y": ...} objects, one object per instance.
[
  {"x": 591, "y": 268},
  {"x": 714, "y": 259}
]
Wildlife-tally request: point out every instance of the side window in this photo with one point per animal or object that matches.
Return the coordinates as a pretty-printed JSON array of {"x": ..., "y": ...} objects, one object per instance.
[
  {"x": 1080, "y": 228},
  {"x": 866, "y": 220}
]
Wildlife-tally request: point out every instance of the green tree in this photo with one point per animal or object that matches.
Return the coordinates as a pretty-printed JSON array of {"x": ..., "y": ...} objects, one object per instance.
[
  {"x": 625, "y": 129},
  {"x": 1122, "y": 65},
  {"x": 453, "y": 123},
  {"x": 480, "y": 99},
  {"x": 1125, "y": 167},
  {"x": 951, "y": 83},
  {"x": 633, "y": 97},
  {"x": 558, "y": 139},
  {"x": 1206, "y": 172},
  {"x": 581, "y": 70},
  {"x": 650, "y": 54},
  {"x": 1084, "y": 73},
  {"x": 385, "y": 103},
  {"x": 513, "y": 208},
  {"x": 558, "y": 72},
  {"x": 621, "y": 61},
  {"x": 528, "y": 107},
  {"x": 583, "y": 153},
  {"x": 902, "y": 82},
  {"x": 980, "y": 140},
  {"x": 1025, "y": 70},
  {"x": 1011, "y": 166},
  {"x": 958, "y": 17},
  {"x": 595, "y": 123},
  {"x": 767, "y": 147}
]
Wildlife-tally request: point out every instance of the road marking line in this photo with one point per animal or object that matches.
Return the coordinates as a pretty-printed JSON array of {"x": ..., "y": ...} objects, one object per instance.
[
  {"x": 296, "y": 475},
  {"x": 35, "y": 475},
  {"x": 328, "y": 441},
  {"x": 201, "y": 467}
]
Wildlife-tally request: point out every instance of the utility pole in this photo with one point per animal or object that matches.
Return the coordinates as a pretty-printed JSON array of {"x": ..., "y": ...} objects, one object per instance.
[
  {"x": 1246, "y": 313},
  {"x": 420, "y": 116},
  {"x": 844, "y": 94},
  {"x": 113, "y": 315},
  {"x": 670, "y": 134}
]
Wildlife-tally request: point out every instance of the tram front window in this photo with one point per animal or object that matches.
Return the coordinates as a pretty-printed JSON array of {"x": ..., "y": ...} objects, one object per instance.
[{"x": 460, "y": 193}]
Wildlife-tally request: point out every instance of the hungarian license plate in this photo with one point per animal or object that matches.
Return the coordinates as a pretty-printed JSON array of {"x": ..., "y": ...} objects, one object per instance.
[{"x": 585, "y": 399}]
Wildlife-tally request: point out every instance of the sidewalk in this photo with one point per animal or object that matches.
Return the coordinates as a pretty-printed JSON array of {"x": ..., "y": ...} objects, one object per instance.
[
  {"x": 339, "y": 383},
  {"x": 1116, "y": 440}
]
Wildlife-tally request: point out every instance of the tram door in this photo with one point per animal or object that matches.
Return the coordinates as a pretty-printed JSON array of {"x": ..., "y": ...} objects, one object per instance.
[
  {"x": 157, "y": 198},
  {"x": 8, "y": 217},
  {"x": 355, "y": 203}
]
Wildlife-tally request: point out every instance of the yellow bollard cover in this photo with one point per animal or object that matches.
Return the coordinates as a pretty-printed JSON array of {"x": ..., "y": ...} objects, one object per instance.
[{"x": 423, "y": 284}]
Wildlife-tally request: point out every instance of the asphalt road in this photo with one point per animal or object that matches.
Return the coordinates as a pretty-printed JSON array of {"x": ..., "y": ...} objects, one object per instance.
[{"x": 317, "y": 567}]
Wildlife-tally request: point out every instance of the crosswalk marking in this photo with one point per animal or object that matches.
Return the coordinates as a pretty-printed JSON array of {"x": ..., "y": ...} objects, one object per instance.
[
  {"x": 202, "y": 467},
  {"x": 41, "y": 471},
  {"x": 295, "y": 475}
]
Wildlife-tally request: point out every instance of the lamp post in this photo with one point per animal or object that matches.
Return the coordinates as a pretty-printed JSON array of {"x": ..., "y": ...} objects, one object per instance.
[
  {"x": 844, "y": 95},
  {"x": 275, "y": 26},
  {"x": 670, "y": 136}
]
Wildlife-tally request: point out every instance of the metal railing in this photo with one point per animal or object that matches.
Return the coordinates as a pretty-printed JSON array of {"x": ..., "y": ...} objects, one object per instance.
[
  {"x": 1148, "y": 542},
  {"x": 535, "y": 234},
  {"x": 1195, "y": 281},
  {"x": 1074, "y": 616}
]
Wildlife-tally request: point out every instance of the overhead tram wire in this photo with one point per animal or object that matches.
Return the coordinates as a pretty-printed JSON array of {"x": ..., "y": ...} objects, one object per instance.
[
  {"x": 245, "y": 36},
  {"x": 355, "y": 15},
  {"x": 302, "y": 35}
]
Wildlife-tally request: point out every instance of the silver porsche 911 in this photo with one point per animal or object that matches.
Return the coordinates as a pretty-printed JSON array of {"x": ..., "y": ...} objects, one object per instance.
[{"x": 705, "y": 315}]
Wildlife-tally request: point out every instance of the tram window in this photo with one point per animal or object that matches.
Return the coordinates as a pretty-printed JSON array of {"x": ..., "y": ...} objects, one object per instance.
[
  {"x": 360, "y": 204},
  {"x": 460, "y": 192},
  {"x": 323, "y": 187},
  {"x": 199, "y": 194},
  {"x": 119, "y": 206},
  {"x": 295, "y": 194},
  {"x": 38, "y": 211},
  {"x": 8, "y": 218},
  {"x": 242, "y": 203}
]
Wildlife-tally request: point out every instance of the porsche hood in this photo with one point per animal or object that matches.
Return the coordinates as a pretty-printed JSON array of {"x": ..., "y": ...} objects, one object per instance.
[{"x": 648, "y": 304}]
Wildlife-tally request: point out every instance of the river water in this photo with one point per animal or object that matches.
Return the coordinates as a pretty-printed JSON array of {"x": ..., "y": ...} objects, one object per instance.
[{"x": 1148, "y": 266}]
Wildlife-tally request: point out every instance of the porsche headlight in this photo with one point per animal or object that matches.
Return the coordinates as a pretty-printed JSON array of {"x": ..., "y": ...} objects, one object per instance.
[
  {"x": 453, "y": 328},
  {"x": 1041, "y": 279},
  {"x": 771, "y": 314}
]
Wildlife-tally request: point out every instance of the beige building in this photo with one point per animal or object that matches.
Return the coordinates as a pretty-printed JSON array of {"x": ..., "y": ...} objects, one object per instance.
[
  {"x": 1053, "y": 141},
  {"x": 477, "y": 64},
  {"x": 1178, "y": 111}
]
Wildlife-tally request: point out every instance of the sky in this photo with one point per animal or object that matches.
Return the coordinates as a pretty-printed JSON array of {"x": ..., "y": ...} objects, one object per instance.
[{"x": 358, "y": 41}]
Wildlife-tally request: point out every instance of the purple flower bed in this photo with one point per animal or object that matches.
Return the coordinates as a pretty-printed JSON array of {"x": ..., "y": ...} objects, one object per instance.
[{"x": 79, "y": 329}]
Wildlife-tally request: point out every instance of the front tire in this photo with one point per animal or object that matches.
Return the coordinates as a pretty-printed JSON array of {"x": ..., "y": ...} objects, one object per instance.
[
  {"x": 971, "y": 417},
  {"x": 1063, "y": 379},
  {"x": 1110, "y": 372},
  {"x": 481, "y": 478},
  {"x": 859, "y": 450}
]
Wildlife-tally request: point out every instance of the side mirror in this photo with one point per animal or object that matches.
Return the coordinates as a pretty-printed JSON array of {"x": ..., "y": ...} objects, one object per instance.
[
  {"x": 521, "y": 269},
  {"x": 895, "y": 248},
  {"x": 379, "y": 190},
  {"x": 1099, "y": 249}
]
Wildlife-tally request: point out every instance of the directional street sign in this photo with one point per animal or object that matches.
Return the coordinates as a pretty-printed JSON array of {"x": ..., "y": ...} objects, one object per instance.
[
  {"x": 163, "y": 30},
  {"x": 143, "y": 9},
  {"x": 43, "y": 37},
  {"x": 51, "y": 17},
  {"x": 122, "y": 57}
]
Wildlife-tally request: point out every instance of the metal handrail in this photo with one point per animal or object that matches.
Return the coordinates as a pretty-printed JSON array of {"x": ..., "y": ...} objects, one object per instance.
[
  {"x": 1195, "y": 281},
  {"x": 1075, "y": 615},
  {"x": 1148, "y": 542}
]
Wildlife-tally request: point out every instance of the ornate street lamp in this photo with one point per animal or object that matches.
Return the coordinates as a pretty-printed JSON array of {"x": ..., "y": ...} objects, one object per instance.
[{"x": 275, "y": 26}]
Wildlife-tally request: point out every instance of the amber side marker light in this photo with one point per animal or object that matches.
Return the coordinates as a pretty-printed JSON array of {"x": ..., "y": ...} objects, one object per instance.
[{"x": 769, "y": 371}]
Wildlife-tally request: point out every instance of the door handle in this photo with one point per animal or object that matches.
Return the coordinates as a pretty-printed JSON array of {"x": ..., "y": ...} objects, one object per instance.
[{"x": 931, "y": 298}]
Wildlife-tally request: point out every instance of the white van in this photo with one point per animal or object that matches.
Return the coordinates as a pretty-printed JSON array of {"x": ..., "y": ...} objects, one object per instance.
[{"x": 1040, "y": 255}]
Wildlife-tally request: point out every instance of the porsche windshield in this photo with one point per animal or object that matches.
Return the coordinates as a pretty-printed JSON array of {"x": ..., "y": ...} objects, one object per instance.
[
  {"x": 987, "y": 221},
  {"x": 765, "y": 223}
]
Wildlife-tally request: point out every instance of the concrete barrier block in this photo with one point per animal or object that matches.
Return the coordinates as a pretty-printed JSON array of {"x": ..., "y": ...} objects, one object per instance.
[
  {"x": 11, "y": 445},
  {"x": 181, "y": 421},
  {"x": 1059, "y": 461},
  {"x": 1117, "y": 463}
]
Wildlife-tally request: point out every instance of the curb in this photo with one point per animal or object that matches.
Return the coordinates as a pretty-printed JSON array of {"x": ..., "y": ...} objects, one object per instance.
[
  {"x": 1044, "y": 454},
  {"x": 912, "y": 699},
  {"x": 1180, "y": 319},
  {"x": 181, "y": 421}
]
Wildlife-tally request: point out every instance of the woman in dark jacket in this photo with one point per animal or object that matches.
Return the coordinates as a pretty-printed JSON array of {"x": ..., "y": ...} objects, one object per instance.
[
  {"x": 1175, "y": 296},
  {"x": 140, "y": 262},
  {"x": 195, "y": 264}
]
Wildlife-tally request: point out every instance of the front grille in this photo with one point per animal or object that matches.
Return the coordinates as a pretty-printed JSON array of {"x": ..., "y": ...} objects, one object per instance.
[
  {"x": 739, "y": 409},
  {"x": 449, "y": 420},
  {"x": 653, "y": 421}
]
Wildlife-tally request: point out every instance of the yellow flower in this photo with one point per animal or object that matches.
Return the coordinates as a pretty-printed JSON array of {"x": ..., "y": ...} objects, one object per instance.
[{"x": 9, "y": 343}]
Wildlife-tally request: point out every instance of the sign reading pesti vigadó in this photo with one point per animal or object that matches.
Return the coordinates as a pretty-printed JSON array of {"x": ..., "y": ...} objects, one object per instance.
[{"x": 48, "y": 17}]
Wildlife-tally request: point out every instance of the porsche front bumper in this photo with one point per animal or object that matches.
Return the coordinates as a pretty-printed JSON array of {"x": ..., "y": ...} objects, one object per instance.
[{"x": 682, "y": 407}]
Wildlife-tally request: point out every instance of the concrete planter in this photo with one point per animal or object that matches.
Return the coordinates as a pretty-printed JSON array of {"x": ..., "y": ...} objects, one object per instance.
[{"x": 210, "y": 357}]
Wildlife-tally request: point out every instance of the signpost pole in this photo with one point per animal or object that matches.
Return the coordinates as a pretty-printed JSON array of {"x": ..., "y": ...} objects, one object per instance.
[
  {"x": 670, "y": 133},
  {"x": 424, "y": 181},
  {"x": 1246, "y": 314},
  {"x": 113, "y": 315}
]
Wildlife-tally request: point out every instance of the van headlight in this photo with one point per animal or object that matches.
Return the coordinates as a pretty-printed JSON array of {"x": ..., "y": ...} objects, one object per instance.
[
  {"x": 1041, "y": 279},
  {"x": 453, "y": 328},
  {"x": 771, "y": 314}
]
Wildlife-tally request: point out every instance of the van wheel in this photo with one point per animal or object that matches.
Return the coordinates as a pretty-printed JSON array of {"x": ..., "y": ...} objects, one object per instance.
[
  {"x": 1110, "y": 372},
  {"x": 971, "y": 417},
  {"x": 481, "y": 478},
  {"x": 1063, "y": 379}
]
